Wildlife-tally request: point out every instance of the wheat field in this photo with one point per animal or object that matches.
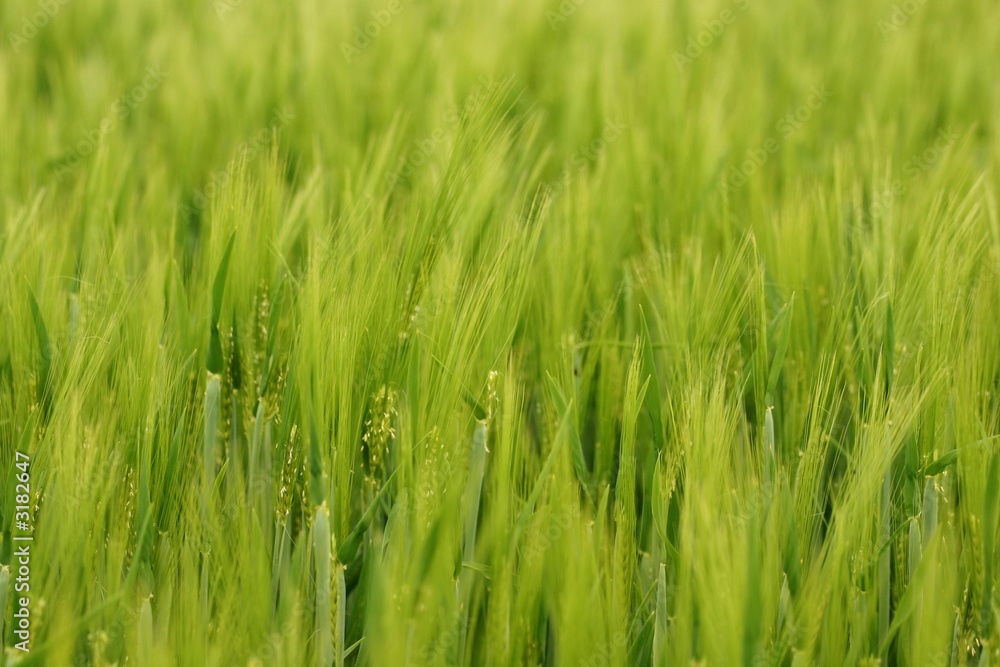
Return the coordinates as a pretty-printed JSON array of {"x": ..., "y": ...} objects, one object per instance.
[{"x": 537, "y": 332}]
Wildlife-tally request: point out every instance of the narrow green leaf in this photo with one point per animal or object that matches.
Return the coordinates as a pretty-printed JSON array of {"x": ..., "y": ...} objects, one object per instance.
[
  {"x": 991, "y": 510},
  {"x": 653, "y": 406},
  {"x": 536, "y": 491},
  {"x": 349, "y": 548},
  {"x": 575, "y": 445},
  {"x": 44, "y": 347},
  {"x": 601, "y": 518},
  {"x": 940, "y": 464},
  {"x": 890, "y": 347},
  {"x": 754, "y": 564},
  {"x": 930, "y": 509},
  {"x": 273, "y": 323},
  {"x": 321, "y": 547},
  {"x": 639, "y": 652},
  {"x": 214, "y": 361},
  {"x": 660, "y": 631},
  {"x": 910, "y": 597},
  {"x": 4, "y": 592},
  {"x": 219, "y": 284},
  {"x": 144, "y": 651},
  {"x": 782, "y": 334},
  {"x": 317, "y": 474},
  {"x": 473, "y": 489},
  {"x": 657, "y": 502}
]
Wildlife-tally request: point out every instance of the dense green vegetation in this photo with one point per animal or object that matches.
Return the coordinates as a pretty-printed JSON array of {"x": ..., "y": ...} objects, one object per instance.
[{"x": 519, "y": 333}]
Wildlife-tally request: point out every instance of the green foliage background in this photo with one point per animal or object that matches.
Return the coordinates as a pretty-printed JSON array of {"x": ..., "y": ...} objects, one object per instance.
[{"x": 510, "y": 333}]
